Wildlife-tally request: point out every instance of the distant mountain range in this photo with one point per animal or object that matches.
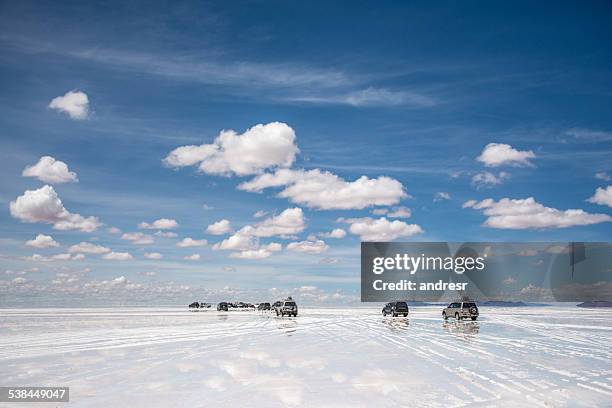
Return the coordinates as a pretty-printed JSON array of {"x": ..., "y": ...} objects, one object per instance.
[{"x": 596, "y": 303}]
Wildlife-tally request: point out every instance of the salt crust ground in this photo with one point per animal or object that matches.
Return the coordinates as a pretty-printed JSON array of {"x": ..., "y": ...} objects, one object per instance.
[{"x": 170, "y": 357}]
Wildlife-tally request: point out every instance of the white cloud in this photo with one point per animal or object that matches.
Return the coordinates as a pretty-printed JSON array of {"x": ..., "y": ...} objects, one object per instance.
[
  {"x": 260, "y": 147},
  {"x": 400, "y": 212},
  {"x": 488, "y": 179},
  {"x": 57, "y": 257},
  {"x": 74, "y": 103},
  {"x": 88, "y": 248},
  {"x": 260, "y": 253},
  {"x": 166, "y": 234},
  {"x": 50, "y": 171},
  {"x": 160, "y": 224},
  {"x": 335, "y": 233},
  {"x": 324, "y": 190},
  {"x": 273, "y": 247},
  {"x": 240, "y": 241},
  {"x": 43, "y": 205},
  {"x": 290, "y": 221},
  {"x": 596, "y": 135},
  {"x": 602, "y": 175},
  {"x": 441, "y": 196},
  {"x": 190, "y": 242},
  {"x": 19, "y": 281},
  {"x": 500, "y": 154},
  {"x": 529, "y": 214},
  {"x": 193, "y": 257},
  {"x": 602, "y": 196},
  {"x": 219, "y": 228},
  {"x": 113, "y": 230},
  {"x": 260, "y": 213},
  {"x": 153, "y": 255},
  {"x": 43, "y": 241},
  {"x": 118, "y": 256},
  {"x": 309, "y": 247},
  {"x": 381, "y": 229},
  {"x": 138, "y": 238},
  {"x": 369, "y": 97}
]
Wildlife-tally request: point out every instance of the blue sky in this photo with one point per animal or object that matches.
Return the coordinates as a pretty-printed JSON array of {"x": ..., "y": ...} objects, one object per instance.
[{"x": 412, "y": 92}]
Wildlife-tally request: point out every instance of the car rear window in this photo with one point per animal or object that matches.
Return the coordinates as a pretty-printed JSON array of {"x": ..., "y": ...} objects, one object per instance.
[
  {"x": 469, "y": 305},
  {"x": 401, "y": 304},
  {"x": 289, "y": 303}
]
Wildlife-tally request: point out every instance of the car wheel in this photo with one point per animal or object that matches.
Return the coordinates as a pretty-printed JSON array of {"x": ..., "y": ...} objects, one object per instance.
[
  {"x": 394, "y": 314},
  {"x": 405, "y": 314},
  {"x": 277, "y": 312},
  {"x": 444, "y": 316},
  {"x": 474, "y": 318},
  {"x": 457, "y": 316}
]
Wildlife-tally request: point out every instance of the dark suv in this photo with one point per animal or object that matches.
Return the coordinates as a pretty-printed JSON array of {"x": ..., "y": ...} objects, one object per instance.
[
  {"x": 264, "y": 306},
  {"x": 222, "y": 307},
  {"x": 395, "y": 309}
]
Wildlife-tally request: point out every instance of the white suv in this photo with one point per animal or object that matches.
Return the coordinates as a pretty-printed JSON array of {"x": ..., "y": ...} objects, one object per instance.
[
  {"x": 286, "y": 307},
  {"x": 461, "y": 310}
]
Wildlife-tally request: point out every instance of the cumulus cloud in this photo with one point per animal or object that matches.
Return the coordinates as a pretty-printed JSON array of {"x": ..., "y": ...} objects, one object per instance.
[
  {"x": 44, "y": 205},
  {"x": 246, "y": 240},
  {"x": 118, "y": 256},
  {"x": 441, "y": 196},
  {"x": 50, "y": 171},
  {"x": 325, "y": 191},
  {"x": 260, "y": 253},
  {"x": 335, "y": 233},
  {"x": 219, "y": 228},
  {"x": 602, "y": 175},
  {"x": 74, "y": 103},
  {"x": 529, "y": 214},
  {"x": 381, "y": 229},
  {"x": 190, "y": 242},
  {"x": 43, "y": 241},
  {"x": 153, "y": 255},
  {"x": 260, "y": 214},
  {"x": 160, "y": 224},
  {"x": 488, "y": 179},
  {"x": 309, "y": 246},
  {"x": 166, "y": 234},
  {"x": 290, "y": 221},
  {"x": 240, "y": 241},
  {"x": 260, "y": 147},
  {"x": 57, "y": 257},
  {"x": 138, "y": 238},
  {"x": 501, "y": 154},
  {"x": 193, "y": 257},
  {"x": 88, "y": 248},
  {"x": 400, "y": 212},
  {"x": 602, "y": 196}
]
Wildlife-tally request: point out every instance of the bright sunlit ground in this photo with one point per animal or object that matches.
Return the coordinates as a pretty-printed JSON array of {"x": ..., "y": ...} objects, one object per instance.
[{"x": 323, "y": 358}]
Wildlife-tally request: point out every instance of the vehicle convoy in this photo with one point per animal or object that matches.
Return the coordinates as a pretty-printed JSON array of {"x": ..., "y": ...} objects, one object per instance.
[
  {"x": 286, "y": 307},
  {"x": 199, "y": 305},
  {"x": 395, "y": 309},
  {"x": 464, "y": 309}
]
